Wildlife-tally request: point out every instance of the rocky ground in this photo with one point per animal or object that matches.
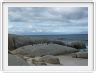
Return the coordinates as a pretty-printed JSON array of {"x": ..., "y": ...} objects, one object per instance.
[
  {"x": 50, "y": 55},
  {"x": 27, "y": 52}
]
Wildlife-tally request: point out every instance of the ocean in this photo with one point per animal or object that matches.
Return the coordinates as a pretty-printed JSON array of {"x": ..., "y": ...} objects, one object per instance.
[{"x": 66, "y": 38}]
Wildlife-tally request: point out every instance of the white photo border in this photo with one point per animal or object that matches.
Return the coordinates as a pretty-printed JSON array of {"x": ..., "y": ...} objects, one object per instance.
[
  {"x": 47, "y": 0},
  {"x": 48, "y": 68},
  {"x": 47, "y": 72},
  {"x": 1, "y": 36},
  {"x": 94, "y": 36}
]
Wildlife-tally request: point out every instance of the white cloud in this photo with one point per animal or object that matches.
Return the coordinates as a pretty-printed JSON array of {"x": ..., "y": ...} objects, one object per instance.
[{"x": 51, "y": 19}]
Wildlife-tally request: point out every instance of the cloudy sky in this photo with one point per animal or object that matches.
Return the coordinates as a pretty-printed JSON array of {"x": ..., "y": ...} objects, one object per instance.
[{"x": 47, "y": 20}]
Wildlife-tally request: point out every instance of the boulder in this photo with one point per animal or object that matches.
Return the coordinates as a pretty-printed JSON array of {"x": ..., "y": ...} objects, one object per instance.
[
  {"x": 50, "y": 59},
  {"x": 58, "y": 42},
  {"x": 37, "y": 62},
  {"x": 16, "y": 61},
  {"x": 15, "y": 41},
  {"x": 80, "y": 55},
  {"x": 22, "y": 41},
  {"x": 44, "y": 49},
  {"x": 77, "y": 44},
  {"x": 11, "y": 43}
]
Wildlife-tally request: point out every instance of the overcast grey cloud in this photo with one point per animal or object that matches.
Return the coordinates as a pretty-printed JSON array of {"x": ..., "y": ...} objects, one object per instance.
[{"x": 47, "y": 20}]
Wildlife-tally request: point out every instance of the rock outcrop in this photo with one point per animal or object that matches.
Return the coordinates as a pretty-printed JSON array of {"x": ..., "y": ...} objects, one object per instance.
[
  {"x": 77, "y": 44},
  {"x": 80, "y": 55},
  {"x": 43, "y": 49},
  {"x": 11, "y": 44},
  {"x": 37, "y": 62},
  {"x": 16, "y": 61},
  {"x": 50, "y": 59},
  {"x": 15, "y": 42}
]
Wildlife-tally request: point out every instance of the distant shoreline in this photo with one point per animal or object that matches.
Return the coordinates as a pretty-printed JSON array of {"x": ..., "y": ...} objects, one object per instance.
[{"x": 44, "y": 34}]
